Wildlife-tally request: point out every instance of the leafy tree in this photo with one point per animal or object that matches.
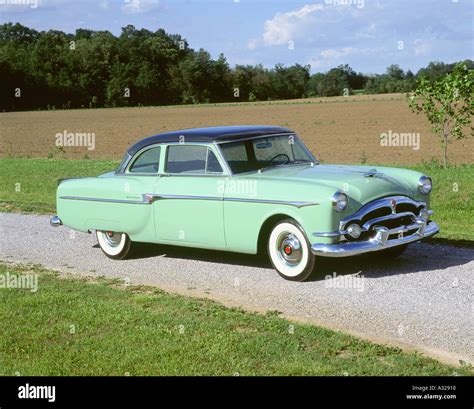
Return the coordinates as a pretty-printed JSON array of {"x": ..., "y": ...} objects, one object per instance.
[
  {"x": 447, "y": 103},
  {"x": 334, "y": 83},
  {"x": 141, "y": 67},
  {"x": 312, "y": 84},
  {"x": 290, "y": 82},
  {"x": 394, "y": 71}
]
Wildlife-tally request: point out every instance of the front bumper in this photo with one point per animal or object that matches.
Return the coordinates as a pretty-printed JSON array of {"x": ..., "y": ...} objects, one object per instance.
[{"x": 378, "y": 242}]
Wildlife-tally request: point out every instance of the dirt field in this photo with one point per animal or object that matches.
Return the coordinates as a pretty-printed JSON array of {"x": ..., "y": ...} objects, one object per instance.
[{"x": 345, "y": 130}]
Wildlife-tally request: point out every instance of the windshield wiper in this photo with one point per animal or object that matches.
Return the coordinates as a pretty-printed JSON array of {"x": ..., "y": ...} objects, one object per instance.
[{"x": 291, "y": 163}]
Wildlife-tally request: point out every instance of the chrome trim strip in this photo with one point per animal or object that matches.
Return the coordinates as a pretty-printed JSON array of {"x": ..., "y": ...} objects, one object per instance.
[
  {"x": 376, "y": 243},
  {"x": 149, "y": 198},
  {"x": 158, "y": 196},
  {"x": 329, "y": 234},
  {"x": 277, "y": 202},
  {"x": 393, "y": 216},
  {"x": 98, "y": 199},
  {"x": 236, "y": 199},
  {"x": 248, "y": 138}
]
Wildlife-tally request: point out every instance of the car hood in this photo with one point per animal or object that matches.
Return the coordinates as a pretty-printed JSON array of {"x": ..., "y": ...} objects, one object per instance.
[{"x": 362, "y": 183}]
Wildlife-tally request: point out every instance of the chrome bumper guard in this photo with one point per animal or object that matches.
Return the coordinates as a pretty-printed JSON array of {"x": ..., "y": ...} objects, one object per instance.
[
  {"x": 380, "y": 240},
  {"x": 55, "y": 221}
]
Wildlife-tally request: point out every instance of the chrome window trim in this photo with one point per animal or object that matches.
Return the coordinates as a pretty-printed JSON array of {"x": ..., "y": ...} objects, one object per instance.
[
  {"x": 305, "y": 148},
  {"x": 209, "y": 146},
  {"x": 133, "y": 159},
  {"x": 249, "y": 138},
  {"x": 227, "y": 171}
]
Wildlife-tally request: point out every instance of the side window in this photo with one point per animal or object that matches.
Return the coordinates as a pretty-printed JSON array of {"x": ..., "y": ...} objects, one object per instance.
[
  {"x": 186, "y": 159},
  {"x": 191, "y": 159},
  {"x": 147, "y": 162},
  {"x": 234, "y": 152},
  {"x": 212, "y": 165}
]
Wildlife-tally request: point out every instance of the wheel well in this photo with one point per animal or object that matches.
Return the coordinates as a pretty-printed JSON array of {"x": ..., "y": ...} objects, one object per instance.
[{"x": 266, "y": 229}]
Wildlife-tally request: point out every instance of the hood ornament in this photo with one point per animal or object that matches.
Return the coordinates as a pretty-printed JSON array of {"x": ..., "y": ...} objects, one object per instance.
[
  {"x": 372, "y": 173},
  {"x": 393, "y": 205}
]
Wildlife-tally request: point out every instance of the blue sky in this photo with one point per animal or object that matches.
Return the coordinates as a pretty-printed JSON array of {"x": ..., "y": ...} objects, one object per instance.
[{"x": 369, "y": 35}]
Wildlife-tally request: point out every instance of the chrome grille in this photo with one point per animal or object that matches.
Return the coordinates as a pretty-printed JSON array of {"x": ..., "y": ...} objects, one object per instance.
[{"x": 398, "y": 219}]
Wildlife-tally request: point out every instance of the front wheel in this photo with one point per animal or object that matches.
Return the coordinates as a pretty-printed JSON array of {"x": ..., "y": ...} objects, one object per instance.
[
  {"x": 290, "y": 252},
  {"x": 114, "y": 245}
]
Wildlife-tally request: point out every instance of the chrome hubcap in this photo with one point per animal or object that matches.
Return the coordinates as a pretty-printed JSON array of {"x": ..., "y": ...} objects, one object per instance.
[
  {"x": 289, "y": 248},
  {"x": 113, "y": 239}
]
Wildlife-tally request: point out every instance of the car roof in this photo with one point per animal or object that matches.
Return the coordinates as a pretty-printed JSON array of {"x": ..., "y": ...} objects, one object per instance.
[{"x": 211, "y": 134}]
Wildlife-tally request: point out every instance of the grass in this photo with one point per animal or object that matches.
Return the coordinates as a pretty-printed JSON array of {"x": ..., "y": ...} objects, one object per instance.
[
  {"x": 452, "y": 198},
  {"x": 73, "y": 326},
  {"x": 29, "y": 185}
]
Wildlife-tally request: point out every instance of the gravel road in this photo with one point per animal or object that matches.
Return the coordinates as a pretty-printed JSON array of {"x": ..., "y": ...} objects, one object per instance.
[{"x": 422, "y": 301}]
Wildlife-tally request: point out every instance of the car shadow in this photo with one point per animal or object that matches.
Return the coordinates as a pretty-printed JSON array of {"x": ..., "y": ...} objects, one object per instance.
[
  {"x": 147, "y": 250},
  {"x": 417, "y": 258}
]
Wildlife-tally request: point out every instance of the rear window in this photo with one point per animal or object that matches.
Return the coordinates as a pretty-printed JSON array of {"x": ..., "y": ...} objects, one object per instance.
[{"x": 147, "y": 162}]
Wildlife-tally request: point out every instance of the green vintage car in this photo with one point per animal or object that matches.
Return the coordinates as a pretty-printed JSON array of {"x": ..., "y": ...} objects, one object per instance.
[{"x": 247, "y": 189}]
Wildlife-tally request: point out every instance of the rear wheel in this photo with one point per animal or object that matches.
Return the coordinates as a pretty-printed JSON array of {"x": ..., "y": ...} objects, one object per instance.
[
  {"x": 114, "y": 245},
  {"x": 290, "y": 252}
]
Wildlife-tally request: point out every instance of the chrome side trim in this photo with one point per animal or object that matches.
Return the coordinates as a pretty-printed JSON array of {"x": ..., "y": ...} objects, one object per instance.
[
  {"x": 277, "y": 202},
  {"x": 234, "y": 199},
  {"x": 185, "y": 197},
  {"x": 98, "y": 199},
  {"x": 149, "y": 198},
  {"x": 379, "y": 242}
]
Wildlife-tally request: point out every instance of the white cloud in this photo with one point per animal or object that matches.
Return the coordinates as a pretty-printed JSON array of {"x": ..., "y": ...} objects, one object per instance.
[
  {"x": 332, "y": 56},
  {"x": 140, "y": 6},
  {"x": 332, "y": 53},
  {"x": 284, "y": 27}
]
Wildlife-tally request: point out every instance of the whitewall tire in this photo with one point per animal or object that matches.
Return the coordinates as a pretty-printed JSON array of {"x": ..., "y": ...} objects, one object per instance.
[
  {"x": 290, "y": 251},
  {"x": 114, "y": 245}
]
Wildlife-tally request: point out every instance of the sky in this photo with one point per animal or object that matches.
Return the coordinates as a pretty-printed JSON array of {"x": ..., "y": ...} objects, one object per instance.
[{"x": 369, "y": 35}]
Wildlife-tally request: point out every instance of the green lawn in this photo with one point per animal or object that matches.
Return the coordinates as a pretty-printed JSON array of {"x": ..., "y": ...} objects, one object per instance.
[
  {"x": 73, "y": 326},
  {"x": 452, "y": 199}
]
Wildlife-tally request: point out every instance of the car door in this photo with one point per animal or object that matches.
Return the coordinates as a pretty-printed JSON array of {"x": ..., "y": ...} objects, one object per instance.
[{"x": 189, "y": 197}]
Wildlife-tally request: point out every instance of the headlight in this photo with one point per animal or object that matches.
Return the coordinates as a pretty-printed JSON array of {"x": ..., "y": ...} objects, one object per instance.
[
  {"x": 425, "y": 185},
  {"x": 339, "y": 201}
]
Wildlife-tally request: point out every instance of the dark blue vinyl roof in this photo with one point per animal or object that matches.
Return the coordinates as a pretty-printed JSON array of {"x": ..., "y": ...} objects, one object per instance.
[{"x": 211, "y": 134}]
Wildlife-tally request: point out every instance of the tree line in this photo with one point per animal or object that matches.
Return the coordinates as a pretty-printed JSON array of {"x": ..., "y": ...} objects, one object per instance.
[{"x": 88, "y": 69}]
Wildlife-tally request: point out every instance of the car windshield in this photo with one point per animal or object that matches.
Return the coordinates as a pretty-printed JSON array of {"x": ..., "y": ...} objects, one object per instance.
[{"x": 259, "y": 153}]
